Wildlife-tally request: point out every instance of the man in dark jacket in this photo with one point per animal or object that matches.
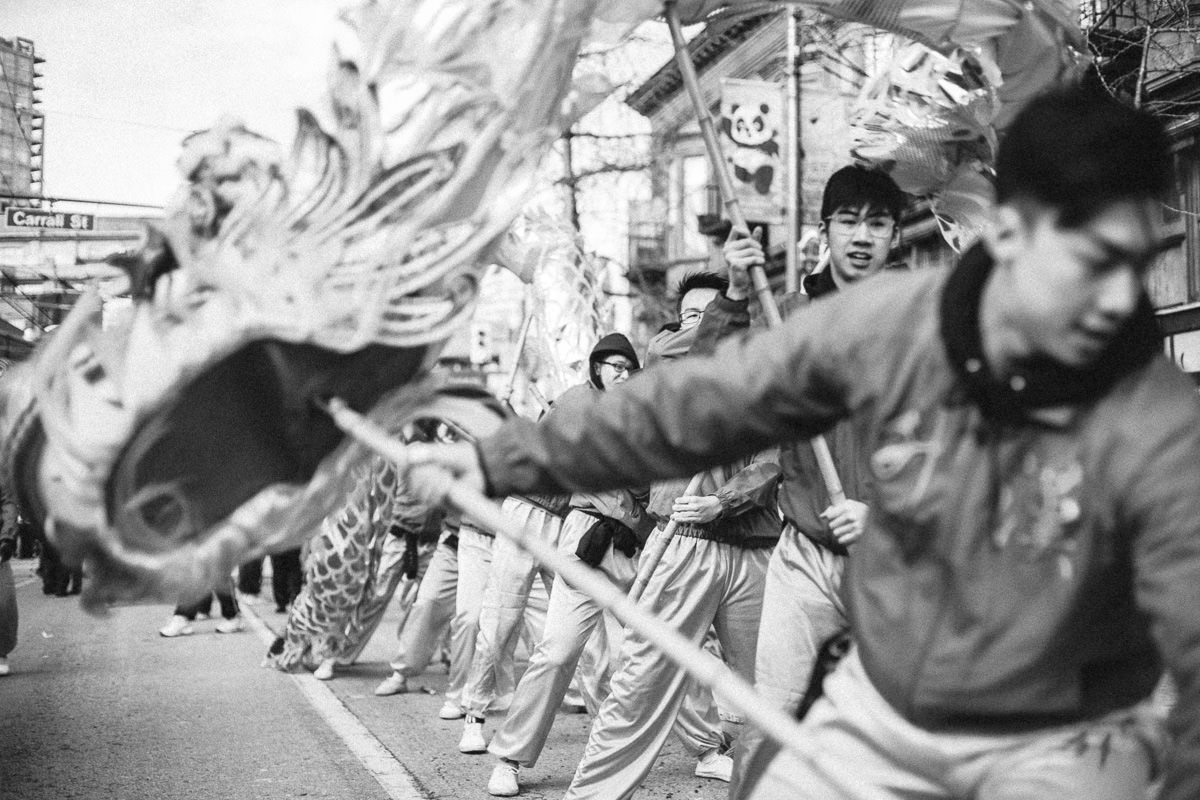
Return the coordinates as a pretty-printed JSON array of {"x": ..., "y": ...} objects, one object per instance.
[
  {"x": 802, "y": 604},
  {"x": 1031, "y": 559}
]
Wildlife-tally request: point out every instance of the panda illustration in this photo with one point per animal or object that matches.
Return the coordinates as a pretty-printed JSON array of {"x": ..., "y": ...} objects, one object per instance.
[{"x": 757, "y": 147}]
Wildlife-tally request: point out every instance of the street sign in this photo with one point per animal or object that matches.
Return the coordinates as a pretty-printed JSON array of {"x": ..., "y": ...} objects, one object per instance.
[{"x": 48, "y": 220}]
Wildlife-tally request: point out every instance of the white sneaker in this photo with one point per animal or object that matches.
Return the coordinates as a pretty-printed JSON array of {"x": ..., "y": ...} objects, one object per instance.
[
  {"x": 503, "y": 782},
  {"x": 324, "y": 670},
  {"x": 234, "y": 625},
  {"x": 451, "y": 710},
  {"x": 4, "y": 668},
  {"x": 472, "y": 739},
  {"x": 178, "y": 626},
  {"x": 715, "y": 765},
  {"x": 392, "y": 684}
]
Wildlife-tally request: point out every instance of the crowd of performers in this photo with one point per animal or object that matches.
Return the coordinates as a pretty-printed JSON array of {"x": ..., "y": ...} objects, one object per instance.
[{"x": 985, "y": 616}]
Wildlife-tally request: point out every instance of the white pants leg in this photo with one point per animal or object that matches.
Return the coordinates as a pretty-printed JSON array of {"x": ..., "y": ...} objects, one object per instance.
[
  {"x": 431, "y": 612},
  {"x": 502, "y": 615},
  {"x": 698, "y": 583},
  {"x": 474, "y": 564},
  {"x": 802, "y": 609},
  {"x": 571, "y": 620},
  {"x": 855, "y": 746}
]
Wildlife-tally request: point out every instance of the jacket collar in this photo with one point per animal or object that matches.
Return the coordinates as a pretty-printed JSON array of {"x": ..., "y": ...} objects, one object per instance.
[
  {"x": 1037, "y": 387},
  {"x": 819, "y": 283}
]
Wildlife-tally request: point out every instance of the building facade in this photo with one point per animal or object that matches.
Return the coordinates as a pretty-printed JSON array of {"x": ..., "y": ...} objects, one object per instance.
[
  {"x": 681, "y": 228},
  {"x": 21, "y": 122},
  {"x": 1148, "y": 52}
]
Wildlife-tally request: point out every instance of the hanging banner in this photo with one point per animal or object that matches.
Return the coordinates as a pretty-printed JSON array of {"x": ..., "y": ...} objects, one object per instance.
[{"x": 752, "y": 139}]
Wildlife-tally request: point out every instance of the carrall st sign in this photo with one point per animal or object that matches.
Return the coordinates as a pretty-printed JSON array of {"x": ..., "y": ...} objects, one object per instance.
[{"x": 49, "y": 220}]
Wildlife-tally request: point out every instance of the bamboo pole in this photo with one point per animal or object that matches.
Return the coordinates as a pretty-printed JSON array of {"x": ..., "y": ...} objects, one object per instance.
[
  {"x": 520, "y": 350},
  {"x": 438, "y": 485},
  {"x": 708, "y": 132},
  {"x": 793, "y": 194},
  {"x": 657, "y": 546}
]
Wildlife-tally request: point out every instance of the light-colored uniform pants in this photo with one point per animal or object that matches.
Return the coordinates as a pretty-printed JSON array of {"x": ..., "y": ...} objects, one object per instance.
[
  {"x": 510, "y": 604},
  {"x": 698, "y": 584},
  {"x": 474, "y": 564},
  {"x": 571, "y": 620},
  {"x": 432, "y": 611},
  {"x": 856, "y": 747},
  {"x": 802, "y": 609}
]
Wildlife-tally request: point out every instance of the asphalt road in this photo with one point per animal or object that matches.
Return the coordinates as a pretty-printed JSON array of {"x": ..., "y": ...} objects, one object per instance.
[{"x": 106, "y": 708}]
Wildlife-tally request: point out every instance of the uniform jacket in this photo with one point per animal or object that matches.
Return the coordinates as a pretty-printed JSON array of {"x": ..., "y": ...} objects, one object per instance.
[
  {"x": 625, "y": 505},
  {"x": 746, "y": 488},
  {"x": 1032, "y": 547},
  {"x": 802, "y": 494}
]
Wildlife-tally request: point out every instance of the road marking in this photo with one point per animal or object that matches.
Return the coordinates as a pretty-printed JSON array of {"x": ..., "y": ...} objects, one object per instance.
[{"x": 397, "y": 781}]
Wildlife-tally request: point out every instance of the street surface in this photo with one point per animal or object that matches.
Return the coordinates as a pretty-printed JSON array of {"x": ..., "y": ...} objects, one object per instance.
[{"x": 106, "y": 708}]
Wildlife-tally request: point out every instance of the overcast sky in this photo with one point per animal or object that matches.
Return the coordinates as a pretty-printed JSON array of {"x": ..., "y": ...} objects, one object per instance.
[{"x": 125, "y": 80}]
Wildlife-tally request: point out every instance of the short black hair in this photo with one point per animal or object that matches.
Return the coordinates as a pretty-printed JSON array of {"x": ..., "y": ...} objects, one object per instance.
[
  {"x": 1077, "y": 150},
  {"x": 856, "y": 186},
  {"x": 699, "y": 280}
]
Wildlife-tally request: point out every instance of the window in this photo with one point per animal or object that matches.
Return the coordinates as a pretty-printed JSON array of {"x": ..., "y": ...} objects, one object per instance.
[
  {"x": 687, "y": 199},
  {"x": 1181, "y": 212}
]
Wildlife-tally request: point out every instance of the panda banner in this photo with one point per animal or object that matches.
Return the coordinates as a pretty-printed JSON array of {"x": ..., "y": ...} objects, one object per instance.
[{"x": 752, "y": 138}]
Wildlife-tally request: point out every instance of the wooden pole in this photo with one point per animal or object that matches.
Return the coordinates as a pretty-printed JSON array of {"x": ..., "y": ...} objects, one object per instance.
[
  {"x": 794, "y": 204},
  {"x": 708, "y": 132},
  {"x": 654, "y": 550},
  {"x": 521, "y": 339},
  {"x": 437, "y": 485}
]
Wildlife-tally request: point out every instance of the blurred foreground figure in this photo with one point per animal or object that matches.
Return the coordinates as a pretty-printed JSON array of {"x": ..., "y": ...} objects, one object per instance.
[
  {"x": 1031, "y": 560},
  {"x": 8, "y": 594}
]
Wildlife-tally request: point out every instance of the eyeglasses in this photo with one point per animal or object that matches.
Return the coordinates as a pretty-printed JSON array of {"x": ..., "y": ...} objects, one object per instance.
[
  {"x": 690, "y": 317},
  {"x": 618, "y": 367},
  {"x": 878, "y": 226}
]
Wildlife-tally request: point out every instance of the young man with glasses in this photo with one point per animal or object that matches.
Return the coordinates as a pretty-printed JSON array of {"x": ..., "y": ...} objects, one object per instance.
[
  {"x": 802, "y": 605},
  {"x": 711, "y": 575},
  {"x": 572, "y": 616}
]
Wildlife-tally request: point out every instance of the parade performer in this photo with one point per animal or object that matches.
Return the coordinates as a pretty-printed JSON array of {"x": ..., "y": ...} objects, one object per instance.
[
  {"x": 711, "y": 574},
  {"x": 8, "y": 596},
  {"x": 601, "y": 530},
  {"x": 461, "y": 567},
  {"x": 503, "y": 614},
  {"x": 1030, "y": 562},
  {"x": 802, "y": 605},
  {"x": 353, "y": 567},
  {"x": 425, "y": 625}
]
